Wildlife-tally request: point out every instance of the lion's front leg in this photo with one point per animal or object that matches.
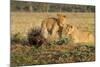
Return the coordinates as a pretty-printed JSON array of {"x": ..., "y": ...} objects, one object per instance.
[
  {"x": 44, "y": 33},
  {"x": 55, "y": 34}
]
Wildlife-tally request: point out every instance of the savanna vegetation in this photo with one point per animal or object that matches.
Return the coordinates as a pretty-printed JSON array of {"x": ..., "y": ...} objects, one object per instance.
[{"x": 29, "y": 48}]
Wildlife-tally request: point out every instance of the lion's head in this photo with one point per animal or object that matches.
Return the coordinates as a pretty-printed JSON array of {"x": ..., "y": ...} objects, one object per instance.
[
  {"x": 61, "y": 19},
  {"x": 69, "y": 29}
]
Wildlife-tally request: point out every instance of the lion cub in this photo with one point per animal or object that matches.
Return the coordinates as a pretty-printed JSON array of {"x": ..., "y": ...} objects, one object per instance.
[
  {"x": 51, "y": 26},
  {"x": 77, "y": 35}
]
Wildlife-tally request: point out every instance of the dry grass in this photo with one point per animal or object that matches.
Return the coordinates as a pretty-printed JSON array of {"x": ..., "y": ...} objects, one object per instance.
[
  {"x": 23, "y": 22},
  {"x": 50, "y": 54},
  {"x": 26, "y": 55}
]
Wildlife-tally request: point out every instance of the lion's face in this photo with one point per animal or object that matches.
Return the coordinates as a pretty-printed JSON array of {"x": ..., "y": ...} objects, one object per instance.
[
  {"x": 69, "y": 29},
  {"x": 61, "y": 19}
]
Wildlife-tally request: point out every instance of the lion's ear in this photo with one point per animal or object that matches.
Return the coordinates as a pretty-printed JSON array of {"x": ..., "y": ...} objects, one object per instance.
[{"x": 61, "y": 15}]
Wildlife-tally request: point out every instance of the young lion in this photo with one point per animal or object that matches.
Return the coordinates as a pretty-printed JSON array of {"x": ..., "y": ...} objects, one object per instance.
[
  {"x": 79, "y": 36},
  {"x": 51, "y": 26}
]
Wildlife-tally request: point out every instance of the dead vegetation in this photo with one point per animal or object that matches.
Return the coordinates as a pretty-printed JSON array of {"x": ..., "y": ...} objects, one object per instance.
[{"x": 23, "y": 34}]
